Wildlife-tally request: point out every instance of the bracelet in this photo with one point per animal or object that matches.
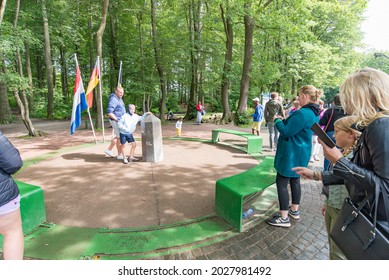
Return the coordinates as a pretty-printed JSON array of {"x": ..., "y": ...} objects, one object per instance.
[{"x": 316, "y": 176}]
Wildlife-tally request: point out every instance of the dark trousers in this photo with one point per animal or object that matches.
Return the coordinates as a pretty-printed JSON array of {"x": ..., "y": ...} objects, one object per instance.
[{"x": 282, "y": 190}]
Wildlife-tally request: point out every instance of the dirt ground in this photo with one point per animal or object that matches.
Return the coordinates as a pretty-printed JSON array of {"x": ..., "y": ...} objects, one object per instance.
[{"x": 84, "y": 187}]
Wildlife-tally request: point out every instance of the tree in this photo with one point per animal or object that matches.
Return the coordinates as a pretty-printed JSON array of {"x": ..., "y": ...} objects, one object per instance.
[
  {"x": 99, "y": 42},
  {"x": 158, "y": 63},
  {"x": 50, "y": 87},
  {"x": 227, "y": 22},
  {"x": 22, "y": 101},
  {"x": 2, "y": 9}
]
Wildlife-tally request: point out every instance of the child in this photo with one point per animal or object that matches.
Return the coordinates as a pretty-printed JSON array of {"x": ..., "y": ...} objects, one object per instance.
[
  {"x": 346, "y": 138},
  {"x": 178, "y": 127},
  {"x": 127, "y": 125}
]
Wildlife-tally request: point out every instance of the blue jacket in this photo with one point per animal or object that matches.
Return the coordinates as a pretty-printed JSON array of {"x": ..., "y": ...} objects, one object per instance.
[
  {"x": 295, "y": 140},
  {"x": 10, "y": 163},
  {"x": 258, "y": 114}
]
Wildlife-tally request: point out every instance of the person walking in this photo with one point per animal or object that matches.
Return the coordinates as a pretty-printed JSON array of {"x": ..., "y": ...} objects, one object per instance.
[
  {"x": 346, "y": 138},
  {"x": 273, "y": 108},
  {"x": 315, "y": 143},
  {"x": 10, "y": 219},
  {"x": 294, "y": 149},
  {"x": 257, "y": 117},
  {"x": 115, "y": 110},
  {"x": 200, "y": 112},
  {"x": 178, "y": 127}
]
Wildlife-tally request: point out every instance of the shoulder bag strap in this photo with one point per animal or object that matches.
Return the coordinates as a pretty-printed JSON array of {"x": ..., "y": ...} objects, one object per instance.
[{"x": 329, "y": 120}]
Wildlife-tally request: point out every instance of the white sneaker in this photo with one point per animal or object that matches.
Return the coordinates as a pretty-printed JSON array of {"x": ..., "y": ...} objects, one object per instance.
[
  {"x": 133, "y": 159},
  {"x": 109, "y": 153},
  {"x": 120, "y": 157},
  {"x": 311, "y": 159},
  {"x": 125, "y": 161},
  {"x": 316, "y": 158}
]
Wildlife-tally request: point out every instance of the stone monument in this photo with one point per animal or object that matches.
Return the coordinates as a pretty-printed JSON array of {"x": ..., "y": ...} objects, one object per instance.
[{"x": 151, "y": 139}]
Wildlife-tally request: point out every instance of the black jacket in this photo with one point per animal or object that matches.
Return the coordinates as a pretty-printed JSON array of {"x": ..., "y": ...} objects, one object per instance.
[
  {"x": 327, "y": 119},
  {"x": 10, "y": 163},
  {"x": 368, "y": 169}
]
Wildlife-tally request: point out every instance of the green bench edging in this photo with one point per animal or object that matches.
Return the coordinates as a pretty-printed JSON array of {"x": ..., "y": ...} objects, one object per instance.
[
  {"x": 231, "y": 191},
  {"x": 32, "y": 206},
  {"x": 254, "y": 142}
]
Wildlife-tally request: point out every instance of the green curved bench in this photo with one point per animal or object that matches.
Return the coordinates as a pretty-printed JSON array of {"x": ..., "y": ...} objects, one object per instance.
[
  {"x": 254, "y": 142},
  {"x": 231, "y": 191},
  {"x": 32, "y": 206}
]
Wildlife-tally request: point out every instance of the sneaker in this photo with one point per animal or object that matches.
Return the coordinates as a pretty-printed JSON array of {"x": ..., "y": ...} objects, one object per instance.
[
  {"x": 109, "y": 153},
  {"x": 125, "y": 161},
  {"x": 133, "y": 159},
  {"x": 316, "y": 158},
  {"x": 120, "y": 157},
  {"x": 278, "y": 221},
  {"x": 311, "y": 159},
  {"x": 294, "y": 214}
]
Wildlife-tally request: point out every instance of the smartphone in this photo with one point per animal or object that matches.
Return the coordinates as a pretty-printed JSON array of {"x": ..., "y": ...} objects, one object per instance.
[{"x": 322, "y": 135}]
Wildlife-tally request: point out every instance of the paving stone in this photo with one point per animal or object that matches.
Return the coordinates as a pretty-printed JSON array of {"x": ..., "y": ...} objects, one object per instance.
[{"x": 197, "y": 252}]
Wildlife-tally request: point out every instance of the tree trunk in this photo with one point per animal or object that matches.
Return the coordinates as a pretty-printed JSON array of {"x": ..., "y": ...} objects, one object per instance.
[
  {"x": 146, "y": 96},
  {"x": 194, "y": 26},
  {"x": 158, "y": 62},
  {"x": 29, "y": 75},
  {"x": 39, "y": 70},
  {"x": 50, "y": 88},
  {"x": 2, "y": 9},
  {"x": 248, "y": 55},
  {"x": 64, "y": 74},
  {"x": 99, "y": 42},
  {"x": 226, "y": 118},
  {"x": 5, "y": 112},
  {"x": 22, "y": 102}
]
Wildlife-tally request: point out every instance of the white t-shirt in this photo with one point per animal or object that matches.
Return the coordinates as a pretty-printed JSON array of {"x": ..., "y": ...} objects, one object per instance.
[{"x": 179, "y": 124}]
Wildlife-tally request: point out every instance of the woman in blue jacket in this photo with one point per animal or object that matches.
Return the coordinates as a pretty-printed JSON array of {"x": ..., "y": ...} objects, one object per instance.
[
  {"x": 294, "y": 149},
  {"x": 10, "y": 220}
]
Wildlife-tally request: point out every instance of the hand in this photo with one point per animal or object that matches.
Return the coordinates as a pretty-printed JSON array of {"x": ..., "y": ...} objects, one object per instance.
[
  {"x": 277, "y": 117},
  {"x": 323, "y": 210},
  {"x": 305, "y": 173},
  {"x": 332, "y": 154}
]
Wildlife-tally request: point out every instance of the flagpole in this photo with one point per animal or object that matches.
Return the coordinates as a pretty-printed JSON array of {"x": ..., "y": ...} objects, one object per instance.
[
  {"x": 101, "y": 98},
  {"x": 120, "y": 74},
  {"x": 91, "y": 124}
]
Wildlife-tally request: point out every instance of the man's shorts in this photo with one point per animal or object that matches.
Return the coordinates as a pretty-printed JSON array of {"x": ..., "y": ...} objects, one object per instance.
[
  {"x": 126, "y": 138},
  {"x": 256, "y": 125},
  {"x": 11, "y": 206},
  {"x": 115, "y": 128}
]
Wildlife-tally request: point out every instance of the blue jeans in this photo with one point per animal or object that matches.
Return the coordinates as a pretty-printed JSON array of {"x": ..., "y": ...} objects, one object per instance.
[{"x": 273, "y": 135}]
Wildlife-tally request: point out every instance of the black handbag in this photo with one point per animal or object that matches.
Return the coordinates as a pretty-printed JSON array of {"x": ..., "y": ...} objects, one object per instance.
[{"x": 357, "y": 233}]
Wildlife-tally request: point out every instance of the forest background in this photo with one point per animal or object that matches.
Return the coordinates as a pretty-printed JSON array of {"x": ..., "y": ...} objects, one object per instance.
[{"x": 175, "y": 53}]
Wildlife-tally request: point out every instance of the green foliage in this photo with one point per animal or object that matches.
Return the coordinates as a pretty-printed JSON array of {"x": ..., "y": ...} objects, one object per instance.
[
  {"x": 243, "y": 119},
  {"x": 295, "y": 42},
  {"x": 213, "y": 104}
]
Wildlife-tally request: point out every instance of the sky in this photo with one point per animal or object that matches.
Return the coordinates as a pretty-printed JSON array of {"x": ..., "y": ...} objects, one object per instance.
[{"x": 376, "y": 25}]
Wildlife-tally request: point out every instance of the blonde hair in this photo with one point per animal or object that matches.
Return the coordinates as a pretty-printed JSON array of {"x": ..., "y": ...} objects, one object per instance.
[
  {"x": 313, "y": 92},
  {"x": 365, "y": 94},
  {"x": 345, "y": 124}
]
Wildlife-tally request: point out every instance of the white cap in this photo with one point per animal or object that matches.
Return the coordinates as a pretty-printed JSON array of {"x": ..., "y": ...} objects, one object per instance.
[{"x": 256, "y": 99}]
